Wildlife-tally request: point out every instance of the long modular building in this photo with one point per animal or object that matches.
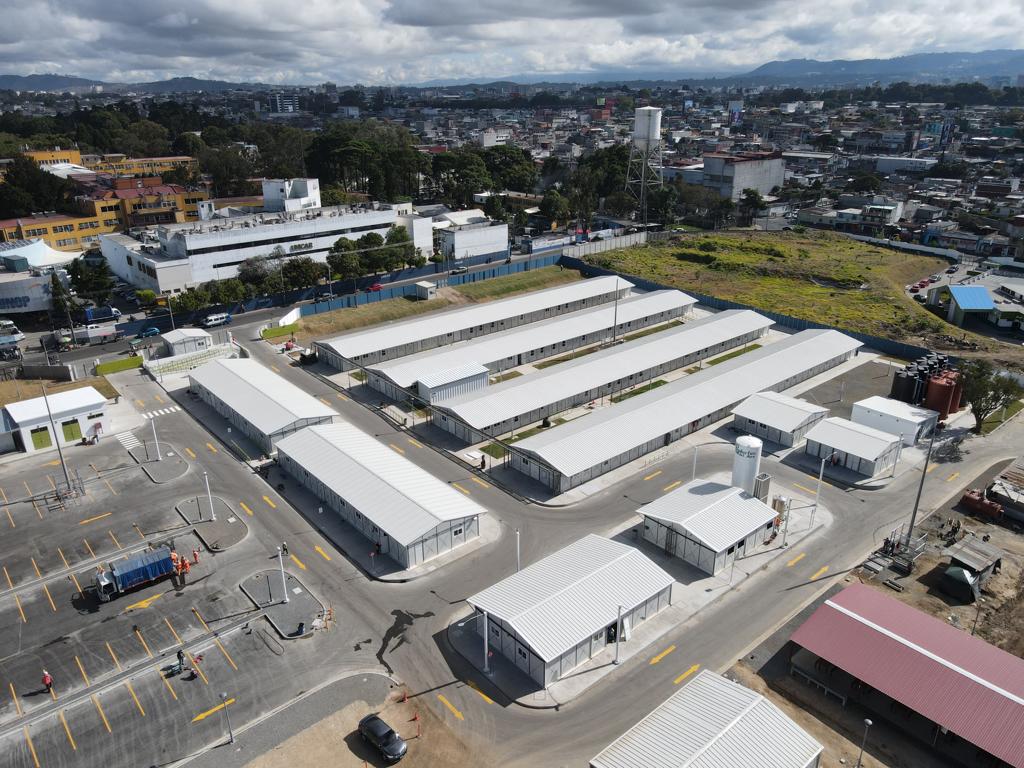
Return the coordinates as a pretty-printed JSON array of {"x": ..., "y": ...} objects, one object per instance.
[
  {"x": 561, "y": 611},
  {"x": 516, "y": 403},
  {"x": 777, "y": 418},
  {"x": 404, "y": 511},
  {"x": 571, "y": 454},
  {"x": 856, "y": 447},
  {"x": 406, "y": 337},
  {"x": 263, "y": 405},
  {"x": 529, "y": 343}
]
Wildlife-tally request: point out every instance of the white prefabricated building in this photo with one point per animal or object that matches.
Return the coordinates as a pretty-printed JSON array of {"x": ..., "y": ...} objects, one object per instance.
[
  {"x": 859, "y": 448},
  {"x": 31, "y": 425},
  {"x": 404, "y": 510},
  {"x": 561, "y": 611},
  {"x": 184, "y": 340},
  {"x": 777, "y": 418},
  {"x": 910, "y": 422}
]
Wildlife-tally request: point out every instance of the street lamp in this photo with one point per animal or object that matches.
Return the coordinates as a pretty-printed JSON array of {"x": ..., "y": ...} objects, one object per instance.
[
  {"x": 284, "y": 583},
  {"x": 231, "y": 734},
  {"x": 817, "y": 492},
  {"x": 209, "y": 498},
  {"x": 863, "y": 741},
  {"x": 618, "y": 634}
]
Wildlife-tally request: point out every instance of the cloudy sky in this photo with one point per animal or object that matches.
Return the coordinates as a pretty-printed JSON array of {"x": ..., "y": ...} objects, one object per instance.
[{"x": 411, "y": 41}]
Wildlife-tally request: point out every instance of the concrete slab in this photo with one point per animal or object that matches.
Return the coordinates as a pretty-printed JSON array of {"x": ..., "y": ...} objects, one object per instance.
[
  {"x": 170, "y": 466},
  {"x": 217, "y": 534},
  {"x": 292, "y": 620}
]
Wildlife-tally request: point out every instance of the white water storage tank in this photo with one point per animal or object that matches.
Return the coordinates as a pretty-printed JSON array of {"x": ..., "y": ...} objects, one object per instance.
[
  {"x": 647, "y": 127},
  {"x": 746, "y": 464}
]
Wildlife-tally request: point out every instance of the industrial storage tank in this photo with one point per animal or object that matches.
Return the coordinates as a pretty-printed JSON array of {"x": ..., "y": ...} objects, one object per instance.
[
  {"x": 746, "y": 463},
  {"x": 647, "y": 128},
  {"x": 940, "y": 394}
]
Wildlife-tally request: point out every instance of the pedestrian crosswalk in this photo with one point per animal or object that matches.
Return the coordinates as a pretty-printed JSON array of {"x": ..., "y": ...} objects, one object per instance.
[
  {"x": 162, "y": 412},
  {"x": 128, "y": 440}
]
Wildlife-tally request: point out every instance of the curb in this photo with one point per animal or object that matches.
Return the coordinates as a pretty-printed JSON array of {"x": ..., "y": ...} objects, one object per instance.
[{"x": 308, "y": 633}]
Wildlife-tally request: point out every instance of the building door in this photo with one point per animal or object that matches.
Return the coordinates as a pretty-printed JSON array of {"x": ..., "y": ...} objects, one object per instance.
[{"x": 670, "y": 541}]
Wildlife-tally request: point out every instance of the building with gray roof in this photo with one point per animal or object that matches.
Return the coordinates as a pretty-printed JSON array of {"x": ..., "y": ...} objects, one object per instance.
[
  {"x": 777, "y": 418},
  {"x": 856, "y": 447}
]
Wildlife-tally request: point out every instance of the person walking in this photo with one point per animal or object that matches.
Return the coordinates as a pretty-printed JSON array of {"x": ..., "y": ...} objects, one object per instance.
[
  {"x": 47, "y": 681},
  {"x": 284, "y": 547}
]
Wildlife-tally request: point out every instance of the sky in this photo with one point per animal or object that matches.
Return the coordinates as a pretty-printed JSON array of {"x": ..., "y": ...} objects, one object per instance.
[{"x": 413, "y": 41}]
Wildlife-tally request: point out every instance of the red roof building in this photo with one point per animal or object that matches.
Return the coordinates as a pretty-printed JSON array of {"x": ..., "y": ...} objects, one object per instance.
[{"x": 956, "y": 680}]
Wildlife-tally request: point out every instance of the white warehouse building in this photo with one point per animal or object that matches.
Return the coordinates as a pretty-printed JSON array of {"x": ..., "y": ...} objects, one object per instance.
[
  {"x": 408, "y": 514},
  {"x": 856, "y": 447},
  {"x": 558, "y": 613},
  {"x": 910, "y": 422},
  {"x": 777, "y": 418},
  {"x": 406, "y": 337},
  {"x": 484, "y": 239},
  {"x": 573, "y": 453}
]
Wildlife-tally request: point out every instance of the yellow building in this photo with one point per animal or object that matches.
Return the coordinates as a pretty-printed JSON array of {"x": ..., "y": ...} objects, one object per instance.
[
  {"x": 122, "y": 165},
  {"x": 60, "y": 231},
  {"x": 44, "y": 157},
  {"x": 140, "y": 201}
]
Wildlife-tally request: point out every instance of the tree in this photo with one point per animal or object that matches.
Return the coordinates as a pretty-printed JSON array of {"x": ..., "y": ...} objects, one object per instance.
[
  {"x": 987, "y": 390},
  {"x": 458, "y": 175},
  {"x": 749, "y": 204},
  {"x": 511, "y": 168},
  {"x": 345, "y": 260},
  {"x": 229, "y": 169},
  {"x": 59, "y": 296},
  {"x": 146, "y": 297},
  {"x": 372, "y": 254},
  {"x": 555, "y": 207},
  {"x": 301, "y": 272},
  {"x": 27, "y": 188},
  {"x": 254, "y": 271},
  {"x": 494, "y": 208},
  {"x": 91, "y": 280},
  {"x": 402, "y": 250},
  {"x": 864, "y": 182}
]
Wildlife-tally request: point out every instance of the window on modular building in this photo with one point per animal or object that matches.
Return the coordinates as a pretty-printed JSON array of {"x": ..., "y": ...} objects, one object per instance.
[
  {"x": 457, "y": 532},
  {"x": 41, "y": 438}
]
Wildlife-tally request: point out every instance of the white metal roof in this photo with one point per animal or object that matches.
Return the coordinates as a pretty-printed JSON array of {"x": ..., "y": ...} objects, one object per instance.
[
  {"x": 38, "y": 253},
  {"x": 448, "y": 375},
  {"x": 71, "y": 401},
  {"x": 396, "y": 495},
  {"x": 850, "y": 437},
  {"x": 779, "y": 411},
  {"x": 563, "y": 599},
  {"x": 716, "y": 514},
  {"x": 584, "y": 443},
  {"x": 521, "y": 395},
  {"x": 712, "y": 722},
  {"x": 180, "y": 334},
  {"x": 897, "y": 409},
  {"x": 406, "y": 371},
  {"x": 434, "y": 324},
  {"x": 267, "y": 401}
]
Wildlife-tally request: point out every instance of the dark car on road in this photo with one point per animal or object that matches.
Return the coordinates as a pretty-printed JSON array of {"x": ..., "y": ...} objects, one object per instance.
[
  {"x": 382, "y": 736},
  {"x": 146, "y": 333}
]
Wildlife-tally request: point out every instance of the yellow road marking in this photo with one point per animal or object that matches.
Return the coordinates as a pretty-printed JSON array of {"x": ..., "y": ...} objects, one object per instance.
[
  {"x": 145, "y": 603},
  {"x": 819, "y": 572},
  {"x": 50, "y": 598},
  {"x": 82, "y": 670},
  {"x": 952, "y": 477},
  {"x": 322, "y": 554},
  {"x": 139, "y": 531},
  {"x": 479, "y": 482},
  {"x": 99, "y": 709},
  {"x": 54, "y": 463},
  {"x": 53, "y": 693},
  {"x": 274, "y": 368},
  {"x": 270, "y": 502},
  {"x": 38, "y": 574},
  {"x": 142, "y": 640},
  {"x": 241, "y": 450},
  {"x": 21, "y": 611},
  {"x": 207, "y": 628},
  {"x": 86, "y": 542},
  {"x": 26, "y": 487},
  {"x": 113, "y": 538},
  {"x": 61, "y": 553},
  {"x": 9, "y": 518},
  {"x": 653, "y": 474},
  {"x": 135, "y": 698},
  {"x": 212, "y": 710},
  {"x": 686, "y": 674},
  {"x": 803, "y": 488},
  {"x": 298, "y": 562},
  {"x": 245, "y": 506},
  {"x": 140, "y": 403},
  {"x": 168, "y": 684},
  {"x": 456, "y": 485},
  {"x": 114, "y": 657},
  {"x": 94, "y": 519},
  {"x": 451, "y": 708},
  {"x": 110, "y": 487},
  {"x": 226, "y": 654},
  {"x": 168, "y": 623},
  {"x": 212, "y": 449},
  {"x": 670, "y": 486},
  {"x": 931, "y": 469},
  {"x": 415, "y": 443},
  {"x": 67, "y": 730},
  {"x": 9, "y": 582},
  {"x": 796, "y": 559},
  {"x": 190, "y": 452},
  {"x": 39, "y": 512},
  {"x": 77, "y": 585},
  {"x": 480, "y": 693},
  {"x": 17, "y": 704},
  {"x": 400, "y": 450},
  {"x": 342, "y": 397},
  {"x": 31, "y": 748},
  {"x": 53, "y": 485},
  {"x": 324, "y": 400},
  {"x": 663, "y": 654},
  {"x": 158, "y": 398}
]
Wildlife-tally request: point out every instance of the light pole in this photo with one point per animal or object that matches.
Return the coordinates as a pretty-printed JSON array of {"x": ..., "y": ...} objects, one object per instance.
[
  {"x": 920, "y": 488},
  {"x": 487, "y": 650},
  {"x": 284, "y": 582},
  {"x": 56, "y": 437},
  {"x": 618, "y": 634},
  {"x": 863, "y": 741},
  {"x": 785, "y": 531},
  {"x": 979, "y": 603},
  {"x": 209, "y": 498},
  {"x": 817, "y": 492},
  {"x": 156, "y": 441},
  {"x": 517, "y": 551},
  {"x": 231, "y": 734}
]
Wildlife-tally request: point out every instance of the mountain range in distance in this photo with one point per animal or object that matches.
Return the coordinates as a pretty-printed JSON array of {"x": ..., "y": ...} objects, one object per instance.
[{"x": 920, "y": 67}]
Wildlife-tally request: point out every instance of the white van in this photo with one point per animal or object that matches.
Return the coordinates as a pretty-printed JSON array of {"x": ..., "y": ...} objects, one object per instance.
[{"x": 220, "y": 318}]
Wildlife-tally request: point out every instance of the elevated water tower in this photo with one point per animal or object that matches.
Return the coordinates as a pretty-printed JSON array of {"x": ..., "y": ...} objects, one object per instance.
[{"x": 644, "y": 171}]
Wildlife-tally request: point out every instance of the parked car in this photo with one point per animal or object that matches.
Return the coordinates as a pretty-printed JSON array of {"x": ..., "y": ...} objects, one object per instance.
[
  {"x": 934, "y": 278},
  {"x": 952, "y": 270},
  {"x": 218, "y": 318},
  {"x": 383, "y": 737},
  {"x": 458, "y": 270},
  {"x": 920, "y": 299},
  {"x": 146, "y": 333},
  {"x": 914, "y": 289},
  {"x": 374, "y": 288}
]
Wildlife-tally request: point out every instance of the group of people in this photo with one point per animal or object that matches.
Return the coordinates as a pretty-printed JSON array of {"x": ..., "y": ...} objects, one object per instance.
[{"x": 182, "y": 566}]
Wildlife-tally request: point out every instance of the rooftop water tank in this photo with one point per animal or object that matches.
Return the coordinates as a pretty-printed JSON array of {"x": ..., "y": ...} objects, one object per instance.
[{"x": 746, "y": 463}]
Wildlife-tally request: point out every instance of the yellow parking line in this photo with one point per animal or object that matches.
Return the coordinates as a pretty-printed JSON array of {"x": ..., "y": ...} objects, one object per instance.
[
  {"x": 226, "y": 654},
  {"x": 61, "y": 553},
  {"x": 64, "y": 722},
  {"x": 324, "y": 400},
  {"x": 140, "y": 403},
  {"x": 158, "y": 398},
  {"x": 9, "y": 582},
  {"x": 400, "y": 450},
  {"x": 670, "y": 486},
  {"x": 110, "y": 487},
  {"x": 298, "y": 562},
  {"x": 212, "y": 710},
  {"x": 113, "y": 538},
  {"x": 103, "y": 717},
  {"x": 135, "y": 698},
  {"x": 53, "y": 693},
  {"x": 53, "y": 485},
  {"x": 952, "y": 477},
  {"x": 322, "y": 554},
  {"x": 168, "y": 623},
  {"x": 94, "y": 519},
  {"x": 25, "y": 482},
  {"x": 450, "y": 706},
  {"x": 139, "y": 531},
  {"x": 31, "y": 748},
  {"x": 479, "y": 482},
  {"x": 190, "y": 452},
  {"x": 212, "y": 449},
  {"x": 82, "y": 670},
  {"x": 480, "y": 693},
  {"x": 456, "y": 485},
  {"x": 21, "y": 611},
  {"x": 50, "y": 598},
  {"x": 686, "y": 674},
  {"x": 653, "y": 475},
  {"x": 931, "y": 469},
  {"x": 796, "y": 559},
  {"x": 168, "y": 684},
  {"x": 17, "y": 704},
  {"x": 820, "y": 572},
  {"x": 197, "y": 668},
  {"x": 87, "y": 546},
  {"x": 803, "y": 488},
  {"x": 663, "y": 654},
  {"x": 245, "y": 506},
  {"x": 114, "y": 657},
  {"x": 416, "y": 443},
  {"x": 142, "y": 640},
  {"x": 9, "y": 518},
  {"x": 38, "y": 574},
  {"x": 270, "y": 502},
  {"x": 274, "y": 368},
  {"x": 342, "y": 397},
  {"x": 205, "y": 626}
]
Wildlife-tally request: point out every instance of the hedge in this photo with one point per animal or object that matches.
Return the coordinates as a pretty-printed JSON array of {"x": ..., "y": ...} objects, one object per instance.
[{"x": 284, "y": 330}]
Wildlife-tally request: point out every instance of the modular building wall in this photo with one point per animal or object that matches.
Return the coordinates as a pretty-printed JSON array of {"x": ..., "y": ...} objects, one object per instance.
[
  {"x": 785, "y": 438},
  {"x": 909, "y": 430},
  {"x": 70, "y": 428},
  {"x": 503, "y": 639},
  {"x": 862, "y": 466},
  {"x": 445, "y": 537},
  {"x": 693, "y": 551}
]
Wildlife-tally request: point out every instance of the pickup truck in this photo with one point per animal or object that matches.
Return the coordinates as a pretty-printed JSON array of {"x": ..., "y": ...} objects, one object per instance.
[{"x": 131, "y": 572}]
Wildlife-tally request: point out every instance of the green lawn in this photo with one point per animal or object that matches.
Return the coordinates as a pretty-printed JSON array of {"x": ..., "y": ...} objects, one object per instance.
[
  {"x": 278, "y": 331},
  {"x": 650, "y": 331},
  {"x": 734, "y": 353},
  {"x": 358, "y": 375},
  {"x": 497, "y": 450},
  {"x": 566, "y": 358},
  {"x": 114, "y": 366},
  {"x": 995, "y": 419},
  {"x": 532, "y": 280},
  {"x": 506, "y": 376},
  {"x": 639, "y": 390}
]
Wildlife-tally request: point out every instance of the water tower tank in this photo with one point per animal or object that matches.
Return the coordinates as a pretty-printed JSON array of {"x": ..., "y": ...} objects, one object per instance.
[
  {"x": 647, "y": 127},
  {"x": 746, "y": 463}
]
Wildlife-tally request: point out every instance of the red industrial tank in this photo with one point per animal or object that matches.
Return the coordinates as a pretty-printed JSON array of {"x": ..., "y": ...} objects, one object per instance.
[{"x": 939, "y": 396}]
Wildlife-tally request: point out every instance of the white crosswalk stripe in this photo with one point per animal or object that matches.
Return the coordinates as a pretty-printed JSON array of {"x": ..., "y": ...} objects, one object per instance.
[
  {"x": 161, "y": 412},
  {"x": 128, "y": 440}
]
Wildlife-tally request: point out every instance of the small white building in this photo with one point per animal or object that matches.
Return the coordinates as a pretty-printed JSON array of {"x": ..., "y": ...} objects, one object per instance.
[
  {"x": 407, "y": 513},
  {"x": 30, "y": 425},
  {"x": 453, "y": 382},
  {"x": 712, "y": 722},
  {"x": 485, "y": 239},
  {"x": 708, "y": 524},
  {"x": 426, "y": 290},
  {"x": 777, "y": 418},
  {"x": 185, "y": 340},
  {"x": 859, "y": 448},
  {"x": 910, "y": 422},
  {"x": 561, "y": 611}
]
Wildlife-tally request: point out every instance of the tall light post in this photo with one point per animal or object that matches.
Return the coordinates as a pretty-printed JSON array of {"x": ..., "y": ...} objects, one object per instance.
[
  {"x": 209, "y": 498},
  {"x": 920, "y": 488},
  {"x": 231, "y": 734},
  {"x": 863, "y": 741},
  {"x": 284, "y": 582},
  {"x": 487, "y": 650},
  {"x": 618, "y": 634},
  {"x": 156, "y": 441},
  {"x": 518, "y": 565},
  {"x": 817, "y": 491},
  {"x": 56, "y": 437}
]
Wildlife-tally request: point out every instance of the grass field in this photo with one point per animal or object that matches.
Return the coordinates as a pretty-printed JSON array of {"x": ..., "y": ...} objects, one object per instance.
[
  {"x": 533, "y": 280},
  {"x": 497, "y": 450},
  {"x": 639, "y": 390},
  {"x": 995, "y": 419},
  {"x": 506, "y": 376},
  {"x": 124, "y": 364},
  {"x": 734, "y": 353},
  {"x": 26, "y": 389}
]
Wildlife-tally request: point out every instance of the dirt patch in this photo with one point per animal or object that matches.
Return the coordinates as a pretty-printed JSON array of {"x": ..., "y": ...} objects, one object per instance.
[
  {"x": 334, "y": 741},
  {"x": 26, "y": 389}
]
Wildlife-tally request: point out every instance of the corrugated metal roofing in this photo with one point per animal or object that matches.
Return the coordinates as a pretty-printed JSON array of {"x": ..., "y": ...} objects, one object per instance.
[
  {"x": 972, "y": 297},
  {"x": 586, "y": 442},
  {"x": 565, "y": 598},
  {"x": 778, "y": 411},
  {"x": 852, "y": 438},
  {"x": 521, "y": 395},
  {"x": 945, "y": 674},
  {"x": 974, "y": 553},
  {"x": 712, "y": 722},
  {"x": 396, "y": 495},
  {"x": 448, "y": 375},
  {"x": 434, "y": 324},
  {"x": 267, "y": 401},
  {"x": 716, "y": 514},
  {"x": 897, "y": 408},
  {"x": 180, "y": 334},
  {"x": 406, "y": 371},
  {"x": 60, "y": 404}
]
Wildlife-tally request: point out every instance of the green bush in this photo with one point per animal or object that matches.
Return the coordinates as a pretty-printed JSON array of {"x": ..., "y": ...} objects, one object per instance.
[
  {"x": 284, "y": 330},
  {"x": 114, "y": 366}
]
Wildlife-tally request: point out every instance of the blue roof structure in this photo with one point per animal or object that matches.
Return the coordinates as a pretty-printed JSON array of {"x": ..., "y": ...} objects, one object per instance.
[{"x": 972, "y": 298}]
